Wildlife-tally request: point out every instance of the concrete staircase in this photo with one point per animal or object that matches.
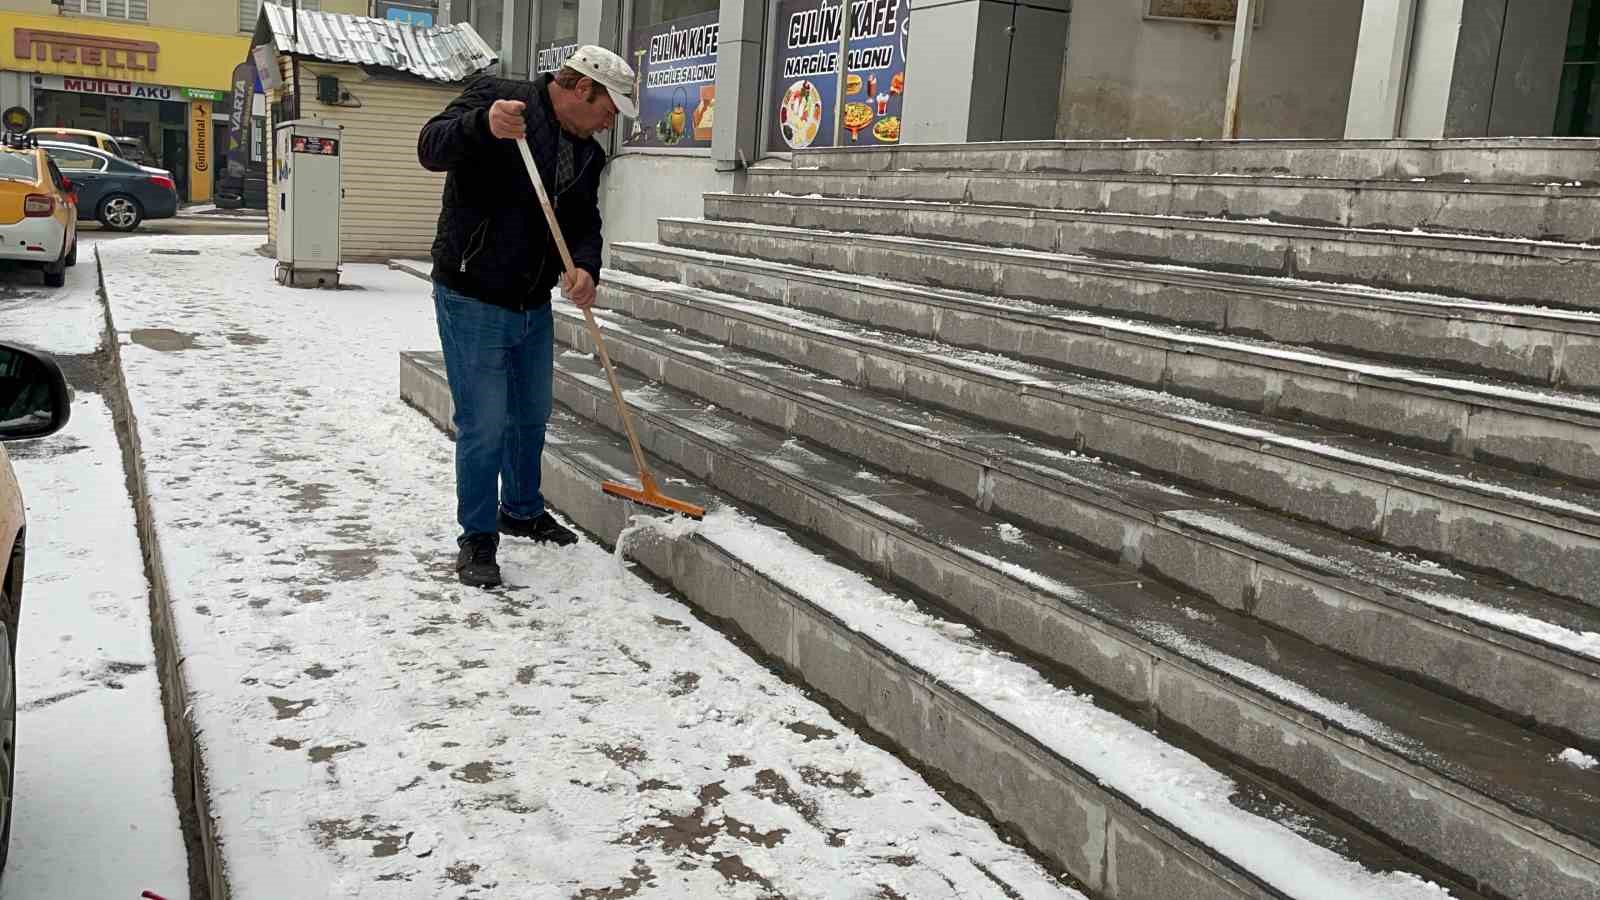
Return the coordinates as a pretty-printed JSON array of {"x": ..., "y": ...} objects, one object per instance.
[{"x": 1284, "y": 453}]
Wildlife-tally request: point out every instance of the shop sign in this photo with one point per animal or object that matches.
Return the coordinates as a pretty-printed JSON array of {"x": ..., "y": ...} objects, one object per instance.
[
  {"x": 805, "y": 61},
  {"x": 675, "y": 64},
  {"x": 406, "y": 15},
  {"x": 552, "y": 55},
  {"x": 200, "y": 151},
  {"x": 85, "y": 49},
  {"x": 110, "y": 88},
  {"x": 201, "y": 94},
  {"x": 244, "y": 77}
]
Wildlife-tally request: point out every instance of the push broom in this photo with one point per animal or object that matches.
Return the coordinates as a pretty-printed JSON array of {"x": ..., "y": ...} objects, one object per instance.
[{"x": 647, "y": 494}]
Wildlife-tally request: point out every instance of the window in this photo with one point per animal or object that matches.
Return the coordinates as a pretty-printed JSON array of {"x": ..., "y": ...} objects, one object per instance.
[
  {"x": 558, "y": 20},
  {"x": 1578, "y": 107},
  {"x": 77, "y": 160},
  {"x": 250, "y": 10},
  {"x": 136, "y": 10},
  {"x": 487, "y": 17},
  {"x": 67, "y": 137},
  {"x": 18, "y": 166},
  {"x": 673, "y": 46}
]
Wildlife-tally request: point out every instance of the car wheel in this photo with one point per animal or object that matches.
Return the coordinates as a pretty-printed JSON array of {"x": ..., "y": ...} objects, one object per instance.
[
  {"x": 8, "y": 725},
  {"x": 119, "y": 212},
  {"x": 72, "y": 254}
]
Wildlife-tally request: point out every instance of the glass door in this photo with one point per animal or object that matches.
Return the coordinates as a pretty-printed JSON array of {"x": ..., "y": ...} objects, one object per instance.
[{"x": 1578, "y": 111}]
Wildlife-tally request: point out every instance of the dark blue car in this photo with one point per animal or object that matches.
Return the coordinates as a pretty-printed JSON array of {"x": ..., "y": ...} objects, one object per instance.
[{"x": 118, "y": 193}]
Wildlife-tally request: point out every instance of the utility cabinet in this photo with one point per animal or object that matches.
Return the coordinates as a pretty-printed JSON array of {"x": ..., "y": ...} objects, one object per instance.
[{"x": 307, "y": 156}]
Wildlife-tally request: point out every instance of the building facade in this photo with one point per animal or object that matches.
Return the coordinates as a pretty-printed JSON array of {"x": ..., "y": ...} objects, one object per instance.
[
  {"x": 157, "y": 71},
  {"x": 726, "y": 83}
]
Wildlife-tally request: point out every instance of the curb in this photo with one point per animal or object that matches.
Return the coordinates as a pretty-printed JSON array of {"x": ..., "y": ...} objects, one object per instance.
[{"x": 190, "y": 782}]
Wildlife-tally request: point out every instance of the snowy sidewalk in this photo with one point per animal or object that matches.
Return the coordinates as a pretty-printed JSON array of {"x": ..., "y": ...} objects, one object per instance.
[
  {"x": 372, "y": 729},
  {"x": 95, "y": 815}
]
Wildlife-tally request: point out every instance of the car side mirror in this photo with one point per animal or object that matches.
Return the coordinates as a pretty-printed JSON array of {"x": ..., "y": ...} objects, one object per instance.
[{"x": 34, "y": 398}]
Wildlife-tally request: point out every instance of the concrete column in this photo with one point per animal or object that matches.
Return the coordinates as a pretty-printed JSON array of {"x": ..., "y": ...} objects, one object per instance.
[
  {"x": 1485, "y": 68},
  {"x": 735, "y": 138},
  {"x": 514, "y": 38},
  {"x": 600, "y": 22},
  {"x": 983, "y": 70},
  {"x": 1383, "y": 59}
]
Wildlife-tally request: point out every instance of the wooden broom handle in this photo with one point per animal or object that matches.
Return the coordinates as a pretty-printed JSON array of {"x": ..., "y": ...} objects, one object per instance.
[{"x": 645, "y": 480}]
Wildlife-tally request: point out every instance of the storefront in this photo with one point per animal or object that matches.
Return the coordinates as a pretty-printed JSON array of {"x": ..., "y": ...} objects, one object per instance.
[{"x": 164, "y": 90}]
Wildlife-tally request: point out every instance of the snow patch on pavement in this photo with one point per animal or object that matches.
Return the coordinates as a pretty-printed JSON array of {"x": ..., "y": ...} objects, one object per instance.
[{"x": 373, "y": 728}]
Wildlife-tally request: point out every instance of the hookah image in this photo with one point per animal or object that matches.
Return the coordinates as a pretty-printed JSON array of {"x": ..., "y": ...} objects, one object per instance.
[{"x": 636, "y": 130}]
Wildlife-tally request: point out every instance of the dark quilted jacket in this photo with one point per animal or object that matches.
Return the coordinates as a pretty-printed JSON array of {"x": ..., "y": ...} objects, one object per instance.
[{"x": 493, "y": 243}]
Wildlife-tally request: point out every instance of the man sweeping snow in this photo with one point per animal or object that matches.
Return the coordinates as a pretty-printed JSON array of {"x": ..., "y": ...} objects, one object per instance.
[{"x": 494, "y": 265}]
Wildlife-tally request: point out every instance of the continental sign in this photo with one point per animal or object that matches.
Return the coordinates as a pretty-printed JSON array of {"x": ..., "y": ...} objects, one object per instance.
[{"x": 85, "y": 49}]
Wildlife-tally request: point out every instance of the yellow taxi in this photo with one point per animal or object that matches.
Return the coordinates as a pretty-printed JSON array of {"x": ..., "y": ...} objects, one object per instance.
[
  {"x": 34, "y": 401},
  {"x": 38, "y": 210},
  {"x": 96, "y": 139}
]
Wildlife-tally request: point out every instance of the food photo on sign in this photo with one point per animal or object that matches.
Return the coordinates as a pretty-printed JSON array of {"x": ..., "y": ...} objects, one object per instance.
[
  {"x": 675, "y": 63},
  {"x": 805, "y": 73}
]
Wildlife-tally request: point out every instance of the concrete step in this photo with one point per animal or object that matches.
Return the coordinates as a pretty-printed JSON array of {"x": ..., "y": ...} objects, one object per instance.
[
  {"x": 1534, "y": 345},
  {"x": 1503, "y": 810},
  {"x": 1536, "y": 532},
  {"x": 1529, "y": 656},
  {"x": 1496, "y": 160},
  {"x": 1550, "y": 212},
  {"x": 1498, "y": 269},
  {"x": 1127, "y": 813},
  {"x": 1538, "y": 431}
]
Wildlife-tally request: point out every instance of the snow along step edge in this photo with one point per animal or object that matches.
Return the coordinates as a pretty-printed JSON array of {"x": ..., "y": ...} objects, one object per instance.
[
  {"x": 1191, "y": 295},
  {"x": 1561, "y": 212},
  {"x": 1507, "y": 271},
  {"x": 1520, "y": 160},
  {"x": 1409, "y": 239},
  {"x": 1399, "y": 497},
  {"x": 1538, "y": 431},
  {"x": 1238, "y": 693},
  {"x": 1532, "y": 670},
  {"x": 1126, "y": 813}
]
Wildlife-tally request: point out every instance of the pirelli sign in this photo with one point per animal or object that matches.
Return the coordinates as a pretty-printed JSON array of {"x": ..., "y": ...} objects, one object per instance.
[{"x": 86, "y": 49}]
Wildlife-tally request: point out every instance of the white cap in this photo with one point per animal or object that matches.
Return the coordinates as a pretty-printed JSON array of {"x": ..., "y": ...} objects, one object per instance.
[{"x": 610, "y": 72}]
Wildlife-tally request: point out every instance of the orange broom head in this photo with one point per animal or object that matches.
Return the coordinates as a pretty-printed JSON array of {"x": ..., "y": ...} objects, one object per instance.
[{"x": 646, "y": 497}]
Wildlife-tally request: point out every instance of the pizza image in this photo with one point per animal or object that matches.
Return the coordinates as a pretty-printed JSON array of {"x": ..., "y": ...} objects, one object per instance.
[
  {"x": 887, "y": 130},
  {"x": 857, "y": 115},
  {"x": 800, "y": 114}
]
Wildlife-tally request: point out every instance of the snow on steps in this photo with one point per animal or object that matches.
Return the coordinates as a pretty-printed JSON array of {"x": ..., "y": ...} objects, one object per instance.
[
  {"x": 1559, "y": 211},
  {"x": 1503, "y": 269},
  {"x": 1474, "y": 160},
  {"x": 1440, "y": 507},
  {"x": 1544, "y": 346},
  {"x": 1531, "y": 654},
  {"x": 1505, "y": 811},
  {"x": 1540, "y": 430},
  {"x": 1129, "y": 814}
]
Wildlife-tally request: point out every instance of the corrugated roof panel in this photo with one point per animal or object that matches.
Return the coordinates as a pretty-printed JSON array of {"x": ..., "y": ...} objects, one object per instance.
[{"x": 446, "y": 53}]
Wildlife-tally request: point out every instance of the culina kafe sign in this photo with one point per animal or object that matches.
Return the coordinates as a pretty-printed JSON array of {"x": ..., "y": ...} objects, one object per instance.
[
  {"x": 805, "y": 73},
  {"x": 676, "y": 64}
]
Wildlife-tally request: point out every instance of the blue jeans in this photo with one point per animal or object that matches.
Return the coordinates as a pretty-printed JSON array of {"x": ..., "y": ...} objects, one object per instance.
[{"x": 499, "y": 364}]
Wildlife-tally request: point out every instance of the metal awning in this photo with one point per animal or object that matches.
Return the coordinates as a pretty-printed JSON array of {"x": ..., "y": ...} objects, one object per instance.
[{"x": 445, "y": 53}]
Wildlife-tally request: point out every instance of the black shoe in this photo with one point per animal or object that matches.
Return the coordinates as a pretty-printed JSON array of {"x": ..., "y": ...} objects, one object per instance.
[
  {"x": 544, "y": 528},
  {"x": 475, "y": 563}
]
